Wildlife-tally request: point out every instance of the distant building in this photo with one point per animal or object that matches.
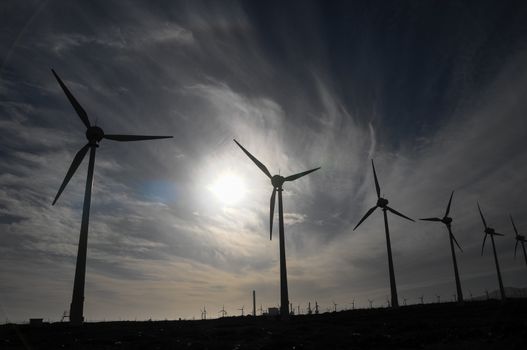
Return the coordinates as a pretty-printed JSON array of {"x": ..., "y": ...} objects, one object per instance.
[
  {"x": 36, "y": 322},
  {"x": 273, "y": 311}
]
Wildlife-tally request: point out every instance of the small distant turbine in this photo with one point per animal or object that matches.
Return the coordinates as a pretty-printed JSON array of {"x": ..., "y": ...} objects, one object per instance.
[
  {"x": 309, "y": 311},
  {"x": 277, "y": 182},
  {"x": 422, "y": 298},
  {"x": 241, "y": 309},
  {"x": 438, "y": 297},
  {"x": 316, "y": 308},
  {"x": 94, "y": 134},
  {"x": 222, "y": 311},
  {"x": 404, "y": 301},
  {"x": 491, "y": 232},
  {"x": 334, "y": 306},
  {"x": 371, "y": 303},
  {"x": 383, "y": 204},
  {"x": 448, "y": 223},
  {"x": 519, "y": 239},
  {"x": 353, "y": 304}
]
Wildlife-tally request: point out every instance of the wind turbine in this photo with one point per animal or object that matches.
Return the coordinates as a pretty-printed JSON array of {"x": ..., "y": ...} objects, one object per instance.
[
  {"x": 489, "y": 231},
  {"x": 94, "y": 134},
  {"x": 222, "y": 311},
  {"x": 371, "y": 303},
  {"x": 519, "y": 239},
  {"x": 334, "y": 306},
  {"x": 277, "y": 181},
  {"x": 383, "y": 204},
  {"x": 241, "y": 309},
  {"x": 448, "y": 223}
]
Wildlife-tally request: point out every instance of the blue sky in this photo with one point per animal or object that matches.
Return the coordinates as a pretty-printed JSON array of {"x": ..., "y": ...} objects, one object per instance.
[{"x": 434, "y": 91}]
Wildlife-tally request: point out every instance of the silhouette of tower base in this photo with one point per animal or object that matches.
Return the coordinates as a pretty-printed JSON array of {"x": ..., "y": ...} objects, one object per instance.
[
  {"x": 393, "y": 287},
  {"x": 77, "y": 301},
  {"x": 284, "y": 294}
]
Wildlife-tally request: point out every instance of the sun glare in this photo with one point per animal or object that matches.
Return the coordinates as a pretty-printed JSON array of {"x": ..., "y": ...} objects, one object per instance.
[{"x": 229, "y": 189}]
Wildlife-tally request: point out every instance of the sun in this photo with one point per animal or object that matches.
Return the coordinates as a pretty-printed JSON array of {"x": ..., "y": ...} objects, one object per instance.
[{"x": 228, "y": 188}]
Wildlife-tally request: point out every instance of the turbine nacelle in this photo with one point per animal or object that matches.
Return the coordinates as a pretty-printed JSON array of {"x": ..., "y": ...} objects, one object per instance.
[
  {"x": 446, "y": 220},
  {"x": 382, "y": 202},
  {"x": 490, "y": 231},
  {"x": 520, "y": 238},
  {"x": 94, "y": 134},
  {"x": 277, "y": 181}
]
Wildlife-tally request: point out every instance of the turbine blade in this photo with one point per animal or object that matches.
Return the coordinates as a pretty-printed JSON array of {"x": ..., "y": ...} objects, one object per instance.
[
  {"x": 271, "y": 217},
  {"x": 377, "y": 187},
  {"x": 73, "y": 167},
  {"x": 449, "y": 203},
  {"x": 515, "y": 248},
  {"x": 397, "y": 213},
  {"x": 483, "y": 246},
  {"x": 455, "y": 241},
  {"x": 499, "y": 234},
  {"x": 76, "y": 105},
  {"x": 431, "y": 219},
  {"x": 515, "y": 229},
  {"x": 299, "y": 175},
  {"x": 368, "y": 213},
  {"x": 482, "y": 218},
  {"x": 256, "y": 161},
  {"x": 124, "y": 138}
]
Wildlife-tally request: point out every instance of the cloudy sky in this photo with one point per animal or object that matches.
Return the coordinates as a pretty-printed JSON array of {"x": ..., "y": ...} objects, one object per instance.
[{"x": 434, "y": 91}]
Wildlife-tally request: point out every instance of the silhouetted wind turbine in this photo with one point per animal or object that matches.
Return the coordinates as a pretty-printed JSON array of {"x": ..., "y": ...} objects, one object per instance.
[
  {"x": 277, "y": 181},
  {"x": 490, "y": 232},
  {"x": 94, "y": 134},
  {"x": 222, "y": 311},
  {"x": 519, "y": 239},
  {"x": 383, "y": 204},
  {"x": 448, "y": 223}
]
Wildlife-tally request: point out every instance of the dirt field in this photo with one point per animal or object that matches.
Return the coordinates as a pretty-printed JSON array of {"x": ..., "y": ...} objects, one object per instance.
[{"x": 480, "y": 325}]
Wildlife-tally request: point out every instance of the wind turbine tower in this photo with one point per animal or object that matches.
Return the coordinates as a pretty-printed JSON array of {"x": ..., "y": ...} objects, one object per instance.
[
  {"x": 383, "y": 204},
  {"x": 254, "y": 303},
  {"x": 489, "y": 231},
  {"x": 447, "y": 221},
  {"x": 277, "y": 182},
  {"x": 520, "y": 239},
  {"x": 94, "y": 134}
]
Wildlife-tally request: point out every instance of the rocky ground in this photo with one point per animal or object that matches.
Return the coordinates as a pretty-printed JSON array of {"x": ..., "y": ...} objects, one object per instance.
[{"x": 480, "y": 325}]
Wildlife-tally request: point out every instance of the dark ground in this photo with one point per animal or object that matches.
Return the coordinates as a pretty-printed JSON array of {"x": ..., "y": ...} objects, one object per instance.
[{"x": 480, "y": 325}]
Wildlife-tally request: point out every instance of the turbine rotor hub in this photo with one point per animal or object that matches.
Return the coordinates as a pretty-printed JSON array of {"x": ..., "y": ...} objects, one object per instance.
[
  {"x": 447, "y": 220},
  {"x": 277, "y": 181},
  {"x": 381, "y": 202},
  {"x": 489, "y": 231},
  {"x": 94, "y": 134}
]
